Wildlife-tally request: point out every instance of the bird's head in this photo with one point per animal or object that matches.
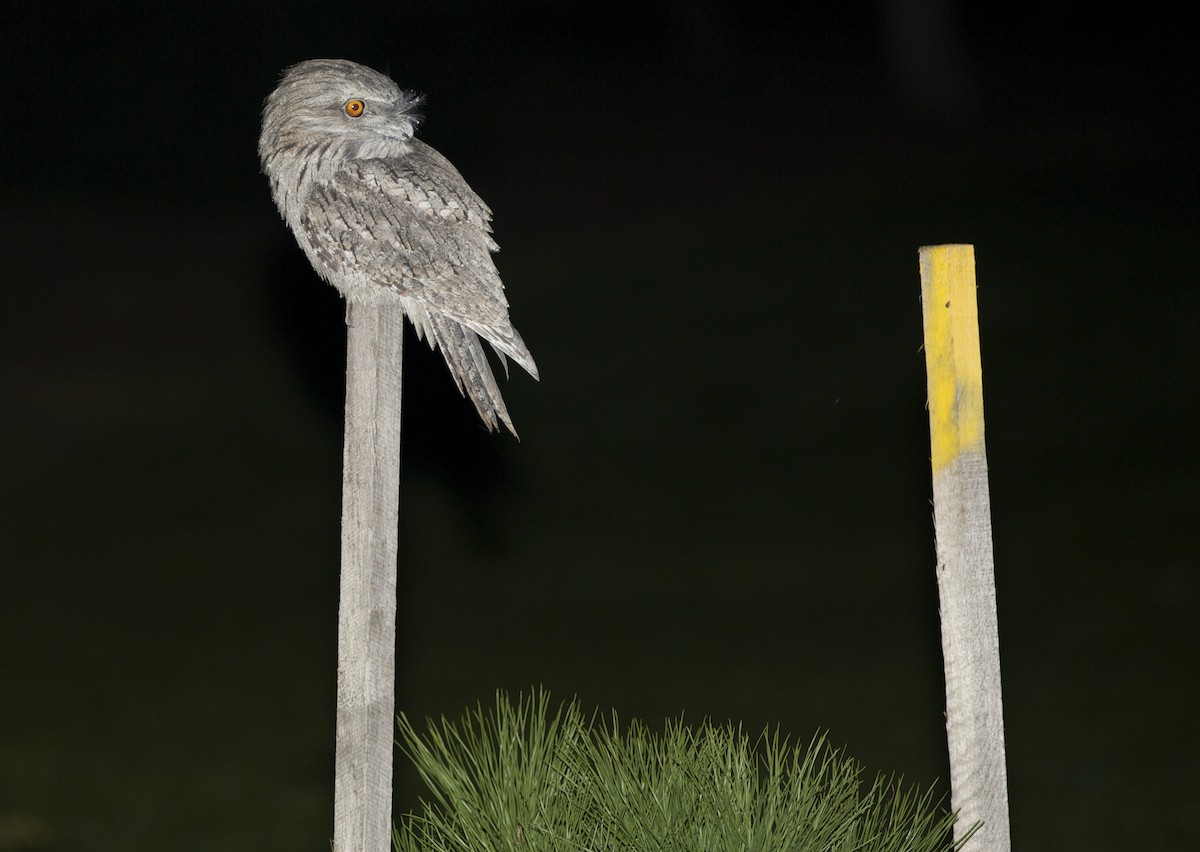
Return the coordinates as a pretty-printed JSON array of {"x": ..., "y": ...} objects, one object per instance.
[{"x": 338, "y": 107}]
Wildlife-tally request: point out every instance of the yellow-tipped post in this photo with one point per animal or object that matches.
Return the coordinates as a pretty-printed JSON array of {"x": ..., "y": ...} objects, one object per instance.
[{"x": 965, "y": 569}]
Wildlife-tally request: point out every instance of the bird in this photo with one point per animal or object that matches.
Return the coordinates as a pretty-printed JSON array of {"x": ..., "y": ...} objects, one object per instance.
[{"x": 381, "y": 216}]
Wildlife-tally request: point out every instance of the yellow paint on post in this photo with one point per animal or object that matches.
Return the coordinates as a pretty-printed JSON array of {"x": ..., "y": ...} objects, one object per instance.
[
  {"x": 951, "y": 351},
  {"x": 963, "y": 533}
]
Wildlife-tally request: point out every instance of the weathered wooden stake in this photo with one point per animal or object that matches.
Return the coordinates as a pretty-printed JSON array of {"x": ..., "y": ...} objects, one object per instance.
[
  {"x": 366, "y": 695},
  {"x": 965, "y": 571}
]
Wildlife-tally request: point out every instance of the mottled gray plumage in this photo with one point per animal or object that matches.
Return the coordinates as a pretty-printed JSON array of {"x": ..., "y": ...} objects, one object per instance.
[{"x": 381, "y": 215}]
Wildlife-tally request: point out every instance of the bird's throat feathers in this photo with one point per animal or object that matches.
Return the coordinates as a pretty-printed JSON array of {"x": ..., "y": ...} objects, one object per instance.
[{"x": 294, "y": 170}]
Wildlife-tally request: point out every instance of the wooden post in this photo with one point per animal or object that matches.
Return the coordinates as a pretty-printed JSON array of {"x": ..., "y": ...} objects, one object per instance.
[
  {"x": 962, "y": 523},
  {"x": 366, "y": 695}
]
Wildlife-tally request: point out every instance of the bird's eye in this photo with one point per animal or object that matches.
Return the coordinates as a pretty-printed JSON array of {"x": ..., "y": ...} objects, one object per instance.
[{"x": 355, "y": 108}]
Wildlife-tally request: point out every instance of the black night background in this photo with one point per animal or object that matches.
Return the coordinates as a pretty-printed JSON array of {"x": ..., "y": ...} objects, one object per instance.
[{"x": 719, "y": 506}]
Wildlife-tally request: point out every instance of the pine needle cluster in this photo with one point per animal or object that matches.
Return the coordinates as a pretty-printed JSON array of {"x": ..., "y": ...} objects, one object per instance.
[{"x": 519, "y": 777}]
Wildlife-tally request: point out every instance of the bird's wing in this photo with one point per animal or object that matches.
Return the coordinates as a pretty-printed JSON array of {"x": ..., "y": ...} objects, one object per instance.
[{"x": 413, "y": 225}]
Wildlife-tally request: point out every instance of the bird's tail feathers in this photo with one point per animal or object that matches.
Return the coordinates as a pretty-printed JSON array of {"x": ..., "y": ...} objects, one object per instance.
[
  {"x": 506, "y": 345},
  {"x": 468, "y": 364}
]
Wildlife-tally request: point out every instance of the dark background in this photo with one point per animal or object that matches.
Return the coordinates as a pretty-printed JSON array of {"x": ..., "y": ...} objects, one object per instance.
[{"x": 719, "y": 505}]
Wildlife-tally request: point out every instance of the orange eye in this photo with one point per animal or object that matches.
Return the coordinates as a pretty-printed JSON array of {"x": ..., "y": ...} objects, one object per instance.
[{"x": 355, "y": 108}]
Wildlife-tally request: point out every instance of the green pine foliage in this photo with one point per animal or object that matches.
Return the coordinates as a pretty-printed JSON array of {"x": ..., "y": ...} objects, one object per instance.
[{"x": 520, "y": 777}]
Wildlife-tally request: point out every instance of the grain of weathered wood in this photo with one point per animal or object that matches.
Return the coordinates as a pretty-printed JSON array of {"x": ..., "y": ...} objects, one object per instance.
[
  {"x": 965, "y": 564},
  {"x": 366, "y": 701}
]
